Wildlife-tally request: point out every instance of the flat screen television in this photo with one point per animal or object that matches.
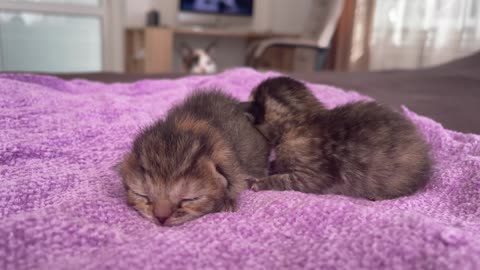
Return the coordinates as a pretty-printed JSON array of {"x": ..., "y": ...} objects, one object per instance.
[
  {"x": 218, "y": 7},
  {"x": 216, "y": 13}
]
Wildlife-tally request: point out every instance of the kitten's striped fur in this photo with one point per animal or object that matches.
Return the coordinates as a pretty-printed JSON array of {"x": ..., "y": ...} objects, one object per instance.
[{"x": 359, "y": 149}]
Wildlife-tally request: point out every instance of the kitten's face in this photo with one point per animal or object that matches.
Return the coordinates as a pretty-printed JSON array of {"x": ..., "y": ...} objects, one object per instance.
[
  {"x": 175, "y": 200},
  {"x": 199, "y": 62}
]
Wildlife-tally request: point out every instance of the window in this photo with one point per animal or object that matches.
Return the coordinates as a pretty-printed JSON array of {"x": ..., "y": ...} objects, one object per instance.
[{"x": 60, "y": 35}]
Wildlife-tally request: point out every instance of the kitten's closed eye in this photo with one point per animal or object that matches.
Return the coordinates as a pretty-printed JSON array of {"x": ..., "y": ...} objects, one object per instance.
[
  {"x": 145, "y": 197},
  {"x": 188, "y": 201},
  {"x": 185, "y": 200}
]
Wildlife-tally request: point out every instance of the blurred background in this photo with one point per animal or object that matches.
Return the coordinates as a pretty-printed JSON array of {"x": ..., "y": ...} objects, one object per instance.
[{"x": 171, "y": 36}]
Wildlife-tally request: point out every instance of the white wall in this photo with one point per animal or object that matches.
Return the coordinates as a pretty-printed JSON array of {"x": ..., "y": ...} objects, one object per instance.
[
  {"x": 135, "y": 12},
  {"x": 289, "y": 16},
  {"x": 269, "y": 15}
]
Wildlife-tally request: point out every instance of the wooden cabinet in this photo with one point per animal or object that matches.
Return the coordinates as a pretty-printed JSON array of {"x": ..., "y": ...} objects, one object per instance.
[{"x": 148, "y": 50}]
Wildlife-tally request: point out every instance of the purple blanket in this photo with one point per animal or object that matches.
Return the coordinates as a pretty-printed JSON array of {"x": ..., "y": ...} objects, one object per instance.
[{"x": 63, "y": 207}]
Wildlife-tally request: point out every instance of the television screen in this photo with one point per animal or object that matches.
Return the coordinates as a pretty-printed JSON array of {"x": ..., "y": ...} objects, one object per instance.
[{"x": 228, "y": 7}]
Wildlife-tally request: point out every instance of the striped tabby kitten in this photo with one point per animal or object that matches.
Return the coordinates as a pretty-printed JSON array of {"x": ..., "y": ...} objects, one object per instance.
[
  {"x": 195, "y": 161},
  {"x": 361, "y": 149}
]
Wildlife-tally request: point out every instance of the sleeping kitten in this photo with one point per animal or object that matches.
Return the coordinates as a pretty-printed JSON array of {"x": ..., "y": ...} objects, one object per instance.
[
  {"x": 195, "y": 161},
  {"x": 360, "y": 149}
]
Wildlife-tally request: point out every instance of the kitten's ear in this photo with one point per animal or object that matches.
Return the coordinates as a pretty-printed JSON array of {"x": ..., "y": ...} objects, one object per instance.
[
  {"x": 219, "y": 172},
  {"x": 185, "y": 50},
  {"x": 223, "y": 175},
  {"x": 128, "y": 170},
  {"x": 210, "y": 49},
  {"x": 248, "y": 110}
]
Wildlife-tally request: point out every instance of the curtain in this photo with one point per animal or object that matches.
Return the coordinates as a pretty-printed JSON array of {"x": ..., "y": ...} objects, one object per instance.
[
  {"x": 420, "y": 33},
  {"x": 350, "y": 48}
]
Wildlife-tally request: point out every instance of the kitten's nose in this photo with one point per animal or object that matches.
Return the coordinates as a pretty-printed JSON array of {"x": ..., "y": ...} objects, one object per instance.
[
  {"x": 162, "y": 219},
  {"x": 162, "y": 211}
]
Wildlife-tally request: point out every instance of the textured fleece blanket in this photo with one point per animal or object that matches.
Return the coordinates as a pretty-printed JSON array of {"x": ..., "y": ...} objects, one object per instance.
[{"x": 63, "y": 207}]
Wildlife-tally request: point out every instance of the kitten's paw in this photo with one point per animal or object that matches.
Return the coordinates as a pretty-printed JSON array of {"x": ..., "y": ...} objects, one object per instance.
[
  {"x": 256, "y": 187},
  {"x": 229, "y": 205},
  {"x": 252, "y": 184}
]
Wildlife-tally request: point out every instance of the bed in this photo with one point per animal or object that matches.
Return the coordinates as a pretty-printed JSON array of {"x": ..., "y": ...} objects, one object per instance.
[{"x": 63, "y": 206}]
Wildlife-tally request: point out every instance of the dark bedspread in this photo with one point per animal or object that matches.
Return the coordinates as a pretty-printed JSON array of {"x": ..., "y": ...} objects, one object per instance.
[{"x": 449, "y": 93}]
